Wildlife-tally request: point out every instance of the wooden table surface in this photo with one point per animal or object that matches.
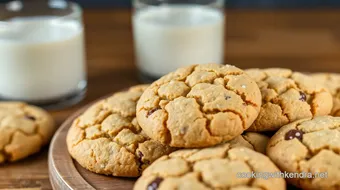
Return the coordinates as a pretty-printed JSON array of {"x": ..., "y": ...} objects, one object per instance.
[{"x": 304, "y": 40}]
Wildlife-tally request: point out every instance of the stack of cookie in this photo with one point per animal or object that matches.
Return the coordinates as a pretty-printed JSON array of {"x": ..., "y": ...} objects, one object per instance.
[{"x": 200, "y": 128}]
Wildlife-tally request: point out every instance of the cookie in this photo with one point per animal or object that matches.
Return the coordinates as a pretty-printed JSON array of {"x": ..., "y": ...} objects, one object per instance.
[
  {"x": 254, "y": 141},
  {"x": 332, "y": 82},
  {"x": 309, "y": 145},
  {"x": 199, "y": 106},
  {"x": 288, "y": 96},
  {"x": 107, "y": 139},
  {"x": 24, "y": 129},
  {"x": 210, "y": 168}
]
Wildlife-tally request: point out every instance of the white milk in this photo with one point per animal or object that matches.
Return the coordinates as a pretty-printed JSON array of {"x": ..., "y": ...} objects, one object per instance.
[
  {"x": 41, "y": 59},
  {"x": 172, "y": 36}
]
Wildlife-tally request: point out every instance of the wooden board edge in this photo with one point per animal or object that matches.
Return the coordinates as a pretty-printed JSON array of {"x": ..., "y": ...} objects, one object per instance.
[{"x": 73, "y": 178}]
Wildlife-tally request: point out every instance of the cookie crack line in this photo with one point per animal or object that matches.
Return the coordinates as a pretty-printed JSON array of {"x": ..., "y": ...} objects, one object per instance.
[
  {"x": 241, "y": 95},
  {"x": 282, "y": 110},
  {"x": 310, "y": 102},
  {"x": 11, "y": 138},
  {"x": 106, "y": 136},
  {"x": 217, "y": 111},
  {"x": 248, "y": 141},
  {"x": 201, "y": 180},
  {"x": 109, "y": 112},
  {"x": 298, "y": 88},
  {"x": 167, "y": 131}
]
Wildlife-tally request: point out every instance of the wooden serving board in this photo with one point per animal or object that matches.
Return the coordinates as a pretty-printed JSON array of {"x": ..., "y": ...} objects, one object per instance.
[{"x": 66, "y": 174}]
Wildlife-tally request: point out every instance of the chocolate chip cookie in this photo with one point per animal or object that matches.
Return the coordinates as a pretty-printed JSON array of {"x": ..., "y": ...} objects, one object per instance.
[
  {"x": 107, "y": 139},
  {"x": 255, "y": 141},
  {"x": 199, "y": 106},
  {"x": 211, "y": 168},
  {"x": 24, "y": 129},
  {"x": 311, "y": 146},
  {"x": 288, "y": 96},
  {"x": 332, "y": 82}
]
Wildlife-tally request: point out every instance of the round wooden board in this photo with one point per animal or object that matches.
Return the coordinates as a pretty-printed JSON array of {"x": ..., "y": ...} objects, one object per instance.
[{"x": 67, "y": 174}]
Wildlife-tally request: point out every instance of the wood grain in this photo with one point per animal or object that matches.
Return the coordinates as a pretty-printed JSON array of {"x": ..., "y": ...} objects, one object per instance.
[{"x": 304, "y": 40}]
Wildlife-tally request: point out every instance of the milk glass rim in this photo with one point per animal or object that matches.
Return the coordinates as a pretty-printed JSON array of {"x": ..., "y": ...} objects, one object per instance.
[
  {"x": 137, "y": 3},
  {"x": 76, "y": 11}
]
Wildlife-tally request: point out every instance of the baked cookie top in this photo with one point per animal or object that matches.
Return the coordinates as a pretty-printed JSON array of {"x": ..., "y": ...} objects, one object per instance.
[
  {"x": 107, "y": 139},
  {"x": 288, "y": 96},
  {"x": 24, "y": 129},
  {"x": 210, "y": 168},
  {"x": 332, "y": 82},
  {"x": 309, "y": 145},
  {"x": 254, "y": 141},
  {"x": 199, "y": 106}
]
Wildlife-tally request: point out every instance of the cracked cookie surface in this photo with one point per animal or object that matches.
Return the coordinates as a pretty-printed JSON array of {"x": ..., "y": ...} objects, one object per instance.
[
  {"x": 24, "y": 129},
  {"x": 199, "y": 106},
  {"x": 288, "y": 96},
  {"x": 107, "y": 139},
  {"x": 209, "y": 169},
  {"x": 309, "y": 145},
  {"x": 254, "y": 141},
  {"x": 332, "y": 82}
]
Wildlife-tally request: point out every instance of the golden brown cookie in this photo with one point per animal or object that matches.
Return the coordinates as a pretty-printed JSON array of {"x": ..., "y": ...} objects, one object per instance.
[
  {"x": 209, "y": 169},
  {"x": 332, "y": 82},
  {"x": 24, "y": 129},
  {"x": 107, "y": 139},
  {"x": 199, "y": 106},
  {"x": 288, "y": 96},
  {"x": 309, "y": 145},
  {"x": 254, "y": 141}
]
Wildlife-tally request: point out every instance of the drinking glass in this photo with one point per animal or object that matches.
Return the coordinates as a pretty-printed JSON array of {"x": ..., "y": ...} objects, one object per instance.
[
  {"x": 169, "y": 34},
  {"x": 42, "y": 59}
]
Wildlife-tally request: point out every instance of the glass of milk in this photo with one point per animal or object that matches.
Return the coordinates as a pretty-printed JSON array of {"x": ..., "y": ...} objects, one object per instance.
[
  {"x": 42, "y": 53},
  {"x": 173, "y": 33}
]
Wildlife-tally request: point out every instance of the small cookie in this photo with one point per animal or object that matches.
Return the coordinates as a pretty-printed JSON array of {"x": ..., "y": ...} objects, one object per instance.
[
  {"x": 209, "y": 169},
  {"x": 199, "y": 106},
  {"x": 332, "y": 82},
  {"x": 107, "y": 139},
  {"x": 255, "y": 141},
  {"x": 309, "y": 145},
  {"x": 288, "y": 96},
  {"x": 24, "y": 129}
]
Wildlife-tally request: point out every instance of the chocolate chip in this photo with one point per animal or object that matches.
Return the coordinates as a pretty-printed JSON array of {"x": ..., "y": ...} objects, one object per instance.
[
  {"x": 150, "y": 112},
  {"x": 183, "y": 130},
  {"x": 227, "y": 97},
  {"x": 140, "y": 155},
  {"x": 303, "y": 96},
  {"x": 155, "y": 184},
  {"x": 294, "y": 134},
  {"x": 30, "y": 117}
]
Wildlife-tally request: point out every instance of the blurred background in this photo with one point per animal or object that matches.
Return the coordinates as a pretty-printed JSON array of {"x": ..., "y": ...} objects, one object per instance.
[{"x": 229, "y": 3}]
